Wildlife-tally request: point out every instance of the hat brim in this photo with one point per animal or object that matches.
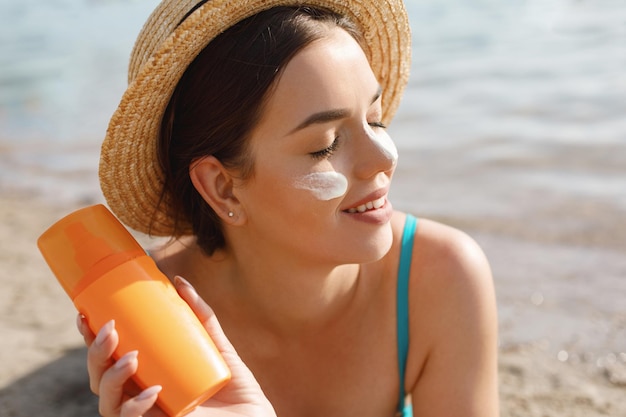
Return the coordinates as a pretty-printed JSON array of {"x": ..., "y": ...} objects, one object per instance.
[{"x": 130, "y": 175}]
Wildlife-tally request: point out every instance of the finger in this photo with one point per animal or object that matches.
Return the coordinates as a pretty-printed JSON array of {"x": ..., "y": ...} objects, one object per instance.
[
  {"x": 84, "y": 330},
  {"x": 139, "y": 405},
  {"x": 111, "y": 389},
  {"x": 211, "y": 324},
  {"x": 204, "y": 313},
  {"x": 99, "y": 354}
]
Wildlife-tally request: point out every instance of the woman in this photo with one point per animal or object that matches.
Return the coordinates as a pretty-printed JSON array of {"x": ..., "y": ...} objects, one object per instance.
[{"x": 254, "y": 134}]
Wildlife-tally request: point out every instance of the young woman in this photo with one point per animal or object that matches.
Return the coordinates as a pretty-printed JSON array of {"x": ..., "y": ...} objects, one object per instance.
[{"x": 253, "y": 132}]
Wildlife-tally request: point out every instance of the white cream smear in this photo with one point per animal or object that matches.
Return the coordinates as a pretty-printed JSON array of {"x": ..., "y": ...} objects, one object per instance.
[
  {"x": 324, "y": 185},
  {"x": 385, "y": 144}
]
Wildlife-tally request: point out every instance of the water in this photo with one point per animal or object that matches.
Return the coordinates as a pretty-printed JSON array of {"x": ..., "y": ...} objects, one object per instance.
[
  {"x": 63, "y": 65},
  {"x": 545, "y": 70},
  {"x": 535, "y": 70},
  {"x": 512, "y": 127}
]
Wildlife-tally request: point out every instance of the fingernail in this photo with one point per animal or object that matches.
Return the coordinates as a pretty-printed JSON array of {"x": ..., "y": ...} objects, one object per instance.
[
  {"x": 148, "y": 392},
  {"x": 104, "y": 332},
  {"x": 80, "y": 319},
  {"x": 126, "y": 359},
  {"x": 178, "y": 280}
]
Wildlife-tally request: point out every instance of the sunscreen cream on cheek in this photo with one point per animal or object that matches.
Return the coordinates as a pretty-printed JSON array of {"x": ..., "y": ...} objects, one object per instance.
[{"x": 323, "y": 185}]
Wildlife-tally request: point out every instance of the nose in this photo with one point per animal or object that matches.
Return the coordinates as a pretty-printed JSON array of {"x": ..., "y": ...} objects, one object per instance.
[{"x": 377, "y": 152}]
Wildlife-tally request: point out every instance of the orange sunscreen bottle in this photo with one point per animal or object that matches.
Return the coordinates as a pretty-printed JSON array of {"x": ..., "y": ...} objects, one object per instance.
[{"x": 109, "y": 276}]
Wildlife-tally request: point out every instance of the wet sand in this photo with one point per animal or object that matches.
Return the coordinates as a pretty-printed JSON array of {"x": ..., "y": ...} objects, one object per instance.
[{"x": 556, "y": 254}]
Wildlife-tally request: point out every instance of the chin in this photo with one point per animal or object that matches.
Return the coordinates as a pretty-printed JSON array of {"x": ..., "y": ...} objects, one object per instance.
[{"x": 371, "y": 248}]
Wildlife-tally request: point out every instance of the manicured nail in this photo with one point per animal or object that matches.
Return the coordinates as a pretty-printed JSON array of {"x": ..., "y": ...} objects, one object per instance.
[
  {"x": 178, "y": 280},
  {"x": 149, "y": 392},
  {"x": 126, "y": 359},
  {"x": 80, "y": 320},
  {"x": 104, "y": 332}
]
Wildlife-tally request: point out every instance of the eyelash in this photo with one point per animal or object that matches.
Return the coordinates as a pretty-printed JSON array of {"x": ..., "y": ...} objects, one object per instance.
[
  {"x": 327, "y": 152},
  {"x": 378, "y": 124}
]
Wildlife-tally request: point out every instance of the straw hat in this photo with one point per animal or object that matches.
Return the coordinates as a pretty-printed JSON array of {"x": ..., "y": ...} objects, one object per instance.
[{"x": 130, "y": 174}]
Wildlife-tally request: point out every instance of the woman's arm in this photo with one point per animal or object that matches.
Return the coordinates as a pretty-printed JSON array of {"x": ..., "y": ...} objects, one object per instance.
[{"x": 452, "y": 366}]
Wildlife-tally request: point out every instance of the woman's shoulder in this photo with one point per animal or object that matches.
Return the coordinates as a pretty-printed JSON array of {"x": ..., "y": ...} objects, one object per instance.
[
  {"x": 175, "y": 256},
  {"x": 440, "y": 252},
  {"x": 449, "y": 279},
  {"x": 452, "y": 309}
]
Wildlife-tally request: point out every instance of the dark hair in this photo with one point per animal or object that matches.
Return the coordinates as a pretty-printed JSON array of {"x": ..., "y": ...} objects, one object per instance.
[{"x": 219, "y": 100}]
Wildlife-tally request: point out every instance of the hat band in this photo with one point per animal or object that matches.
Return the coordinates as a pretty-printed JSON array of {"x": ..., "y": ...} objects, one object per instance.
[{"x": 190, "y": 12}]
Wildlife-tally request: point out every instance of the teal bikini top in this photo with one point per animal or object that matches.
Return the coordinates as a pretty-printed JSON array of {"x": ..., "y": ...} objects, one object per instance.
[{"x": 406, "y": 250}]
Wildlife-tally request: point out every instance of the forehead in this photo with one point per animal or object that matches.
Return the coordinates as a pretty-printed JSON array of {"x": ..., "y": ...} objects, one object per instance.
[{"x": 330, "y": 73}]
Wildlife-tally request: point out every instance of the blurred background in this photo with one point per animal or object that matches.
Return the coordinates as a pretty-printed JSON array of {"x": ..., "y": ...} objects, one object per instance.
[{"x": 512, "y": 128}]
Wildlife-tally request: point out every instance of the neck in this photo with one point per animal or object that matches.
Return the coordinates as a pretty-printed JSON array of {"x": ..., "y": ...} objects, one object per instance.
[
  {"x": 281, "y": 295},
  {"x": 297, "y": 297}
]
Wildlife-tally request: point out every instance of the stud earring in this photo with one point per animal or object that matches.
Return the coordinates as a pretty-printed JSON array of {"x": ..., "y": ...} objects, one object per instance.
[{"x": 231, "y": 214}]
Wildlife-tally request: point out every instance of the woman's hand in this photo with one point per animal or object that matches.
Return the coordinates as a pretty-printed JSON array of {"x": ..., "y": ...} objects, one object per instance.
[{"x": 110, "y": 380}]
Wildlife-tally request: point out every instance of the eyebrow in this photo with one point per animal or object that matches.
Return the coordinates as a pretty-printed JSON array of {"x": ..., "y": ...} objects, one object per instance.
[{"x": 330, "y": 115}]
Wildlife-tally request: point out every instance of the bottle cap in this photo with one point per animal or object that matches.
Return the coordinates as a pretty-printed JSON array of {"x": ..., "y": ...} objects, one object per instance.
[{"x": 84, "y": 245}]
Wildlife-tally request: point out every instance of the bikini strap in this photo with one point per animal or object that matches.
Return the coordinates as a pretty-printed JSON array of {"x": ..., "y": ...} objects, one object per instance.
[{"x": 402, "y": 301}]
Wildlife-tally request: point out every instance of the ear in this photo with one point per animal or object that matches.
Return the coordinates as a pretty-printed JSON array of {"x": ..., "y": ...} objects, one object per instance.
[{"x": 215, "y": 184}]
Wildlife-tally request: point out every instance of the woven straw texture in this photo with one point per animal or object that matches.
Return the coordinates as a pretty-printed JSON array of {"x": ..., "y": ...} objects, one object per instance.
[{"x": 130, "y": 176}]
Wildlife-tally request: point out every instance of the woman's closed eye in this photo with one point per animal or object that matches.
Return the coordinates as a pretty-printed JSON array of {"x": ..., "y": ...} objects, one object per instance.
[
  {"x": 378, "y": 124},
  {"x": 326, "y": 152}
]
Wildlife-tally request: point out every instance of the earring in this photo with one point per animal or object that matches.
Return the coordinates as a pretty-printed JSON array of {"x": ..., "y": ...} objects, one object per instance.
[{"x": 231, "y": 214}]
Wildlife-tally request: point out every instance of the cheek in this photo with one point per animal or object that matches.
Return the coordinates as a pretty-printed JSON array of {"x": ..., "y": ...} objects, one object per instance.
[{"x": 323, "y": 185}]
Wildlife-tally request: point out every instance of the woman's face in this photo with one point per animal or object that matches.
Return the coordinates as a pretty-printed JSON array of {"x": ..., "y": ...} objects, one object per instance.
[{"x": 322, "y": 159}]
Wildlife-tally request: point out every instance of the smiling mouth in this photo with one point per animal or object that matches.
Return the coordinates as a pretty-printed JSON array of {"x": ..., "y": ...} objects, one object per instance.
[{"x": 370, "y": 205}]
